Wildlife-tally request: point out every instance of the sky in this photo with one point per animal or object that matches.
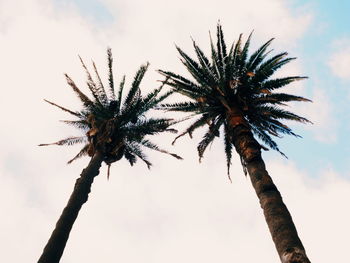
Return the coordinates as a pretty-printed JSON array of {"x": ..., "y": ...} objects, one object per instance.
[{"x": 179, "y": 210}]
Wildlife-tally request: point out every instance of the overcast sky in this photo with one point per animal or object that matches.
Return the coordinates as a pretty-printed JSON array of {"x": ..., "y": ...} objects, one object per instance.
[{"x": 180, "y": 211}]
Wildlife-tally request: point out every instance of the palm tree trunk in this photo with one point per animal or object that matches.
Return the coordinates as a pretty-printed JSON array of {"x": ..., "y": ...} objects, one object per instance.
[
  {"x": 54, "y": 248},
  {"x": 277, "y": 216}
]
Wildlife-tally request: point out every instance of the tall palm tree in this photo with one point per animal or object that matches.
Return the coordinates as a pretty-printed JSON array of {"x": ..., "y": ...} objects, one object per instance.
[
  {"x": 234, "y": 92},
  {"x": 114, "y": 127}
]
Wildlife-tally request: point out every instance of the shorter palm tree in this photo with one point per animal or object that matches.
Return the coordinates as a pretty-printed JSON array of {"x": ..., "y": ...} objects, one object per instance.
[
  {"x": 234, "y": 93},
  {"x": 114, "y": 127}
]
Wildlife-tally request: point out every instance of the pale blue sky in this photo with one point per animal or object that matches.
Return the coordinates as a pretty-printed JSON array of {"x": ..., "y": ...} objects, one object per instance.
[
  {"x": 92, "y": 9},
  {"x": 331, "y": 23}
]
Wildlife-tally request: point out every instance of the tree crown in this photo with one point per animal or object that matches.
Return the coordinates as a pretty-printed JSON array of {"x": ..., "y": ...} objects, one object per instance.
[
  {"x": 234, "y": 88},
  {"x": 114, "y": 124}
]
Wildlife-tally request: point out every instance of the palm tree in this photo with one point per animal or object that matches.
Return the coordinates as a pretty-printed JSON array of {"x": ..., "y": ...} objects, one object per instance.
[
  {"x": 235, "y": 92},
  {"x": 114, "y": 127}
]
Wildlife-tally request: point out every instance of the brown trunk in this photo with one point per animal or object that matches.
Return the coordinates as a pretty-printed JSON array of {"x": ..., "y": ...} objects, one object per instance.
[
  {"x": 277, "y": 216},
  {"x": 54, "y": 248}
]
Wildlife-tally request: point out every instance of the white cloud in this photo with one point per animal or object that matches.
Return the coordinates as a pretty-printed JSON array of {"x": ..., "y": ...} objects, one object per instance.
[
  {"x": 157, "y": 25},
  {"x": 186, "y": 213},
  {"x": 339, "y": 61},
  {"x": 314, "y": 204}
]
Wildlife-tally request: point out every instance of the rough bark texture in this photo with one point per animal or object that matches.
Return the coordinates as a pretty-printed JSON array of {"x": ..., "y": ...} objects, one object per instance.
[
  {"x": 277, "y": 216},
  {"x": 54, "y": 248}
]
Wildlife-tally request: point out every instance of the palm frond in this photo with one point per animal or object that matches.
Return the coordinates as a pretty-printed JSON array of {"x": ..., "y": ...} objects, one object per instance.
[
  {"x": 110, "y": 73},
  {"x": 217, "y": 67},
  {"x": 187, "y": 106},
  {"x": 184, "y": 86},
  {"x": 155, "y": 147},
  {"x": 64, "y": 109},
  {"x": 150, "y": 97},
  {"x": 81, "y": 124},
  {"x": 228, "y": 149},
  {"x": 101, "y": 90},
  {"x": 134, "y": 93},
  {"x": 152, "y": 100},
  {"x": 233, "y": 59},
  {"x": 273, "y": 84},
  {"x": 280, "y": 128},
  {"x": 209, "y": 136},
  {"x": 269, "y": 67},
  {"x": 120, "y": 94},
  {"x": 278, "y": 113},
  {"x": 243, "y": 56},
  {"x": 194, "y": 68},
  {"x": 154, "y": 103},
  {"x": 67, "y": 141},
  {"x": 82, "y": 152},
  {"x": 90, "y": 82},
  {"x": 237, "y": 51},
  {"x": 258, "y": 56},
  {"x": 130, "y": 157},
  {"x": 282, "y": 97},
  {"x": 86, "y": 101},
  {"x": 148, "y": 126},
  {"x": 221, "y": 45},
  {"x": 206, "y": 65},
  {"x": 203, "y": 120},
  {"x": 135, "y": 149},
  {"x": 179, "y": 79},
  {"x": 266, "y": 139}
]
